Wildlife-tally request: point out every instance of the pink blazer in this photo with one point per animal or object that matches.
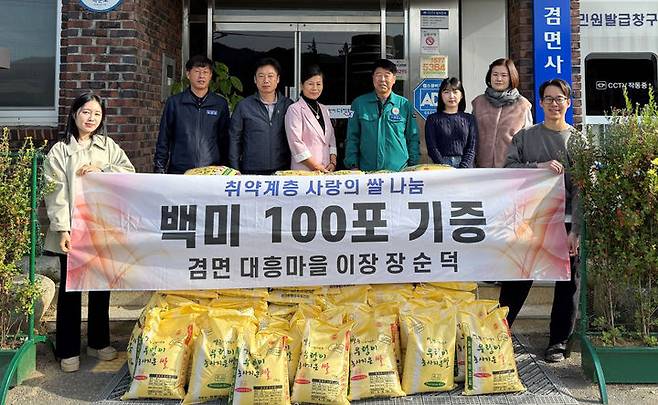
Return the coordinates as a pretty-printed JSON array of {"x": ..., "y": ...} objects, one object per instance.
[{"x": 305, "y": 136}]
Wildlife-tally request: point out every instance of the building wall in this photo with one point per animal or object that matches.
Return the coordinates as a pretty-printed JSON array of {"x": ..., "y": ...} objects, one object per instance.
[
  {"x": 118, "y": 55},
  {"x": 484, "y": 39},
  {"x": 521, "y": 50}
]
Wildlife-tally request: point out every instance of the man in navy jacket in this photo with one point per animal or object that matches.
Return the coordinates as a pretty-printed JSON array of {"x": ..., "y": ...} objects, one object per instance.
[
  {"x": 194, "y": 125},
  {"x": 258, "y": 142}
]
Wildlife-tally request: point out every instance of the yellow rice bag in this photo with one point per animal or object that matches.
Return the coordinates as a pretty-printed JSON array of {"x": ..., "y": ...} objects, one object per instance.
[
  {"x": 215, "y": 353},
  {"x": 261, "y": 377},
  {"x": 428, "y": 292},
  {"x": 423, "y": 167},
  {"x": 479, "y": 308},
  {"x": 334, "y": 315},
  {"x": 389, "y": 293},
  {"x": 245, "y": 292},
  {"x": 163, "y": 353},
  {"x": 323, "y": 369},
  {"x": 162, "y": 302},
  {"x": 302, "y": 288},
  {"x": 347, "y": 172},
  {"x": 382, "y": 171},
  {"x": 373, "y": 366},
  {"x": 392, "y": 310},
  {"x": 352, "y": 293},
  {"x": 490, "y": 363},
  {"x": 259, "y": 306},
  {"x": 157, "y": 300},
  {"x": 283, "y": 311},
  {"x": 459, "y": 286},
  {"x": 298, "y": 173},
  {"x": 212, "y": 170},
  {"x": 280, "y": 296},
  {"x": 173, "y": 301},
  {"x": 269, "y": 322},
  {"x": 416, "y": 306},
  {"x": 306, "y": 311},
  {"x": 429, "y": 362},
  {"x": 296, "y": 335},
  {"x": 193, "y": 294}
]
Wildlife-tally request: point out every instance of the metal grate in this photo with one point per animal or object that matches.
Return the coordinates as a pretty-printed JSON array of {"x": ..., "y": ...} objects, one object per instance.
[{"x": 542, "y": 388}]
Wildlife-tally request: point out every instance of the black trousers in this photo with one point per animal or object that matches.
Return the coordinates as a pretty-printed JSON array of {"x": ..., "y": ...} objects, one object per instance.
[
  {"x": 565, "y": 302},
  {"x": 67, "y": 335}
]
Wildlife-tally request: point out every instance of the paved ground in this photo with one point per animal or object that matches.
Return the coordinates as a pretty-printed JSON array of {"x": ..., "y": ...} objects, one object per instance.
[{"x": 50, "y": 386}]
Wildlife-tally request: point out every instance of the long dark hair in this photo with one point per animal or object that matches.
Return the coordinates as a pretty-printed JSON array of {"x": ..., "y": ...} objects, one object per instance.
[
  {"x": 72, "y": 129},
  {"x": 454, "y": 84}
]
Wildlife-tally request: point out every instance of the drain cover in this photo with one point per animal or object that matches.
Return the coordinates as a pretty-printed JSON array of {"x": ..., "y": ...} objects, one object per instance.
[{"x": 543, "y": 388}]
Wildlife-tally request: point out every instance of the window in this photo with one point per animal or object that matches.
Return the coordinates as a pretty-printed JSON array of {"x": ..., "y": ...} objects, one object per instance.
[{"x": 29, "y": 28}]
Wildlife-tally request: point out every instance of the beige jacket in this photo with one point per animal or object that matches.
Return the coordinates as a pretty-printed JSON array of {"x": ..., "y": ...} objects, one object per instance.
[
  {"x": 59, "y": 170},
  {"x": 496, "y": 127}
]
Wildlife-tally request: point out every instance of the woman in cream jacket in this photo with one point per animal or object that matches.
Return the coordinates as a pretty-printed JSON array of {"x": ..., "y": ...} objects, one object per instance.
[{"x": 83, "y": 149}]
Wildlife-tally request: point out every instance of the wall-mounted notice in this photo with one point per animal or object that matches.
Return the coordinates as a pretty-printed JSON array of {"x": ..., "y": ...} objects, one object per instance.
[
  {"x": 436, "y": 19},
  {"x": 429, "y": 41},
  {"x": 403, "y": 69},
  {"x": 434, "y": 67}
]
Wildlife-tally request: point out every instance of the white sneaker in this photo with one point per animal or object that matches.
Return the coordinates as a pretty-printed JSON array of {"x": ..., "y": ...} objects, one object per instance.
[
  {"x": 70, "y": 364},
  {"x": 106, "y": 354}
]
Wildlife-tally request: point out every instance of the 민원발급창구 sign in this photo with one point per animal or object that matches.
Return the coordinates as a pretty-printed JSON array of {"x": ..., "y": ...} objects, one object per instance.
[{"x": 154, "y": 232}]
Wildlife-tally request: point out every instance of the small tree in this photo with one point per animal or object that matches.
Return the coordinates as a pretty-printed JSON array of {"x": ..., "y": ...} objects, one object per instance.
[
  {"x": 17, "y": 294},
  {"x": 616, "y": 169}
]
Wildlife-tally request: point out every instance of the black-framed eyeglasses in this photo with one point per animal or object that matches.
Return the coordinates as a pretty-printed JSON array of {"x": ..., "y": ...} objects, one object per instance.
[{"x": 558, "y": 100}]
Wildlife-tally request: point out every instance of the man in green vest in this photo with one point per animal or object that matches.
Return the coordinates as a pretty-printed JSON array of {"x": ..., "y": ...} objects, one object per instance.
[{"x": 382, "y": 133}]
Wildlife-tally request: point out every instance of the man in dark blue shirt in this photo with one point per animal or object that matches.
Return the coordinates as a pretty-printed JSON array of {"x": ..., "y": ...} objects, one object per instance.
[{"x": 194, "y": 125}]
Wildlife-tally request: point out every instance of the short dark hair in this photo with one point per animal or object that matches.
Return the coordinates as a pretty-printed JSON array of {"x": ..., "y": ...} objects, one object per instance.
[
  {"x": 384, "y": 64},
  {"x": 511, "y": 69},
  {"x": 454, "y": 84},
  {"x": 559, "y": 83},
  {"x": 71, "y": 129},
  {"x": 268, "y": 62},
  {"x": 198, "y": 61},
  {"x": 310, "y": 71}
]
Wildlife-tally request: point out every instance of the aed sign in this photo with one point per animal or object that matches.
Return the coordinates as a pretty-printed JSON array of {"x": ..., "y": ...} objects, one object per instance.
[
  {"x": 426, "y": 96},
  {"x": 607, "y": 75},
  {"x": 100, "y": 5}
]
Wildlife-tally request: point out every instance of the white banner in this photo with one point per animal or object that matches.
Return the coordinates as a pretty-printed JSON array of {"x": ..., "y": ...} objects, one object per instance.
[{"x": 151, "y": 232}]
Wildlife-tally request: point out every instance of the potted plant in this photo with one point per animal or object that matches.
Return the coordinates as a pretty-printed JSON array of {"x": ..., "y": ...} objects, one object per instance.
[
  {"x": 222, "y": 83},
  {"x": 617, "y": 172},
  {"x": 18, "y": 238}
]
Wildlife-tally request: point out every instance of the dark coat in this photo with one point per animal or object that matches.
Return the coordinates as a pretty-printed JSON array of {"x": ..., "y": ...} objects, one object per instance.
[
  {"x": 258, "y": 143},
  {"x": 191, "y": 136}
]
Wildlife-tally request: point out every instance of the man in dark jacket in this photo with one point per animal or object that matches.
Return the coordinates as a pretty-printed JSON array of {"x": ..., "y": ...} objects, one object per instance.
[
  {"x": 258, "y": 143},
  {"x": 194, "y": 124}
]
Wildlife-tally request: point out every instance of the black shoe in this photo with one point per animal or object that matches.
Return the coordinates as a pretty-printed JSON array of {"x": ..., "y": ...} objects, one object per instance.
[{"x": 555, "y": 353}]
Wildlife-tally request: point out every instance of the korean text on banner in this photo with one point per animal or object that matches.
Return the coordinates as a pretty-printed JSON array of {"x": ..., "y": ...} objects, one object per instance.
[{"x": 152, "y": 232}]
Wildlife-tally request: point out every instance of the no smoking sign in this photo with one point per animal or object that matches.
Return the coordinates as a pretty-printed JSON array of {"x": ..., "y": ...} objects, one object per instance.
[{"x": 429, "y": 41}]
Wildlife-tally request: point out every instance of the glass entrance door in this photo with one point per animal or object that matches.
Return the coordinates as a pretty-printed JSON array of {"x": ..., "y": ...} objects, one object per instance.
[
  {"x": 240, "y": 46},
  {"x": 344, "y": 52}
]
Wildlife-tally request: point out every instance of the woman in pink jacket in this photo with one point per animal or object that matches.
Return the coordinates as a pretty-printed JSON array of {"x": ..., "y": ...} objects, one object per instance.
[
  {"x": 500, "y": 113},
  {"x": 308, "y": 127}
]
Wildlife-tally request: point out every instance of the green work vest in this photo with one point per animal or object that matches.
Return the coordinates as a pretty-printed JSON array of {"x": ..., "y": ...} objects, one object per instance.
[{"x": 381, "y": 141}]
